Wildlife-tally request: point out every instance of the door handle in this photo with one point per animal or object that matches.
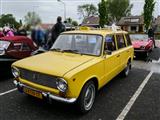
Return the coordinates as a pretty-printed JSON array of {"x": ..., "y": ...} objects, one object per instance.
[{"x": 118, "y": 55}]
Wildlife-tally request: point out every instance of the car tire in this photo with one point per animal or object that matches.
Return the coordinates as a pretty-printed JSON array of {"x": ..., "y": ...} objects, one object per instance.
[
  {"x": 126, "y": 70},
  {"x": 146, "y": 54},
  {"x": 86, "y": 98}
]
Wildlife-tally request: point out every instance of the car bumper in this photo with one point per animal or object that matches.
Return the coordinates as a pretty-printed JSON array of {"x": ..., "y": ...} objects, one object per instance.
[
  {"x": 142, "y": 51},
  {"x": 4, "y": 58},
  {"x": 47, "y": 95}
]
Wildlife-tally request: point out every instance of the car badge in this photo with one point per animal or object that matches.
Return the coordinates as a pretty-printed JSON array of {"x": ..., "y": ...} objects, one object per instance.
[{"x": 35, "y": 77}]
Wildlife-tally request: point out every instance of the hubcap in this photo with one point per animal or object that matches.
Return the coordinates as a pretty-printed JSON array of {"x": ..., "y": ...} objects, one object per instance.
[
  {"x": 127, "y": 69},
  {"x": 89, "y": 97}
]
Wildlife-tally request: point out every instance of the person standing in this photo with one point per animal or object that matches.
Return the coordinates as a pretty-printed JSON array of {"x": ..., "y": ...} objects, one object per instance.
[
  {"x": 22, "y": 31},
  {"x": 1, "y": 32},
  {"x": 151, "y": 36},
  {"x": 57, "y": 29}
]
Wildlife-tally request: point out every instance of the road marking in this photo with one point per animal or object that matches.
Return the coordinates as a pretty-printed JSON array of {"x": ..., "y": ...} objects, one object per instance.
[
  {"x": 9, "y": 91},
  {"x": 134, "y": 97}
]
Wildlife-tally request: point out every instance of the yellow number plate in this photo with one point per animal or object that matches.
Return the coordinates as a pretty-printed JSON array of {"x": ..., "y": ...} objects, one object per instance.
[{"x": 33, "y": 93}]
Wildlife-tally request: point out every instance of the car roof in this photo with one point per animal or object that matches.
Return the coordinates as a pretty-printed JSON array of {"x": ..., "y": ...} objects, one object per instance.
[
  {"x": 15, "y": 38},
  {"x": 102, "y": 32}
]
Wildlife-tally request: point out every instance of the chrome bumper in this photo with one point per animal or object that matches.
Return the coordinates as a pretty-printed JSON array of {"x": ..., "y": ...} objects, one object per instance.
[{"x": 47, "y": 95}]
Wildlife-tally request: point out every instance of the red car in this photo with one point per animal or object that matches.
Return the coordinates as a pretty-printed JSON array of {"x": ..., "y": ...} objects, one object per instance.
[
  {"x": 141, "y": 43},
  {"x": 15, "y": 47}
]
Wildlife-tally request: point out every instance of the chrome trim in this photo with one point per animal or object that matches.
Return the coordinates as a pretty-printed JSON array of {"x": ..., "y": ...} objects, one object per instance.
[
  {"x": 47, "y": 94},
  {"x": 17, "y": 70},
  {"x": 140, "y": 50},
  {"x": 7, "y": 59},
  {"x": 62, "y": 80}
]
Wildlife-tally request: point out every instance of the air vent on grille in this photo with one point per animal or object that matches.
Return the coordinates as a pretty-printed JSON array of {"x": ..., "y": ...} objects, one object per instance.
[{"x": 38, "y": 78}]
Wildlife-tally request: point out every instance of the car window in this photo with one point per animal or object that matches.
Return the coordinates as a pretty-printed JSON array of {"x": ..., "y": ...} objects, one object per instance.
[
  {"x": 17, "y": 46},
  {"x": 139, "y": 37},
  {"x": 25, "y": 47},
  {"x": 83, "y": 43},
  {"x": 128, "y": 40},
  {"x": 120, "y": 41},
  {"x": 110, "y": 43}
]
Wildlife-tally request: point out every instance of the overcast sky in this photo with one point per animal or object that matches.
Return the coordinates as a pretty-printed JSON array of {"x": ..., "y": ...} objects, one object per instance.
[{"x": 48, "y": 10}]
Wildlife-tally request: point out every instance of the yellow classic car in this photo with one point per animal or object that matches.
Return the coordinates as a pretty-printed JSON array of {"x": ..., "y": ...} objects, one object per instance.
[{"x": 79, "y": 63}]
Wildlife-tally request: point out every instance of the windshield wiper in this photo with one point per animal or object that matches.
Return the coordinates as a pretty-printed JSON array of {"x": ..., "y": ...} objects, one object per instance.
[
  {"x": 56, "y": 49},
  {"x": 71, "y": 51}
]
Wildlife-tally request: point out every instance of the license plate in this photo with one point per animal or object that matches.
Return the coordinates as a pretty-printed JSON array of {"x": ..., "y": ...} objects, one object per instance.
[{"x": 33, "y": 93}]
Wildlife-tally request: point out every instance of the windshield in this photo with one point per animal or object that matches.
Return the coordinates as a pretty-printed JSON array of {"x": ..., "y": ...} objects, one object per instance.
[
  {"x": 139, "y": 37},
  {"x": 80, "y": 43},
  {"x": 4, "y": 44}
]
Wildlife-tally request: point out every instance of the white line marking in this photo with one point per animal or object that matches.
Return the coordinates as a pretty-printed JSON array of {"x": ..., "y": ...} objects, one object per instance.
[
  {"x": 134, "y": 97},
  {"x": 9, "y": 91}
]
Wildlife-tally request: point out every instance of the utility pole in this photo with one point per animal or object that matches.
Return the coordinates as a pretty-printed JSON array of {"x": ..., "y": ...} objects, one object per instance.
[{"x": 64, "y": 8}]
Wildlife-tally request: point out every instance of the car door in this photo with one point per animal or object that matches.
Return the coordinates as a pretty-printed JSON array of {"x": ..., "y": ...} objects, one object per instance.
[
  {"x": 25, "y": 50},
  {"x": 112, "y": 60},
  {"x": 123, "y": 51},
  {"x": 130, "y": 50},
  {"x": 14, "y": 50}
]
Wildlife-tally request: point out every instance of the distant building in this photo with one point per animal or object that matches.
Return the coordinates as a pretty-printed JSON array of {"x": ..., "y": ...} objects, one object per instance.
[
  {"x": 46, "y": 26},
  {"x": 92, "y": 21},
  {"x": 156, "y": 24},
  {"x": 132, "y": 23}
]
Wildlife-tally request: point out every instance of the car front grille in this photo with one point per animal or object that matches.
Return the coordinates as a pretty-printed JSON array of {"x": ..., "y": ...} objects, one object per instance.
[{"x": 39, "y": 78}]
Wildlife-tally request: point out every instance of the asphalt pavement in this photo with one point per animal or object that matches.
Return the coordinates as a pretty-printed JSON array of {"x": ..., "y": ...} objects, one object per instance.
[{"x": 110, "y": 102}]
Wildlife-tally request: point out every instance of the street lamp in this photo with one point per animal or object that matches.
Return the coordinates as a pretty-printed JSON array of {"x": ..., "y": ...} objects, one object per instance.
[
  {"x": 0, "y": 8},
  {"x": 64, "y": 8}
]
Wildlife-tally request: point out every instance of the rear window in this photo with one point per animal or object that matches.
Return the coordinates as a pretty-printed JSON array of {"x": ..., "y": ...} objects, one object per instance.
[
  {"x": 4, "y": 44},
  {"x": 120, "y": 41},
  {"x": 128, "y": 40}
]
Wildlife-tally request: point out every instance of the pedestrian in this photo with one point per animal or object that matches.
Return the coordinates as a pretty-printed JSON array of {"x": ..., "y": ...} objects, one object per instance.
[
  {"x": 22, "y": 31},
  {"x": 8, "y": 31},
  {"x": 57, "y": 29},
  {"x": 1, "y": 32},
  {"x": 39, "y": 36},
  {"x": 151, "y": 36}
]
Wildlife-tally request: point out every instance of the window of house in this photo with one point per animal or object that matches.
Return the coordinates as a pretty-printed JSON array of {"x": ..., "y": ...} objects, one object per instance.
[
  {"x": 133, "y": 28},
  {"x": 120, "y": 41}
]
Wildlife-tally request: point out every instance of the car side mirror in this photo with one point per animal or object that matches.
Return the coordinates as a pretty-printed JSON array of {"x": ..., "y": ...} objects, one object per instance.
[{"x": 108, "y": 52}]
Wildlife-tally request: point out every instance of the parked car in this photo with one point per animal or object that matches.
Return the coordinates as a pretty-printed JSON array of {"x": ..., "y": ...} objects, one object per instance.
[
  {"x": 79, "y": 63},
  {"x": 15, "y": 47},
  {"x": 142, "y": 44}
]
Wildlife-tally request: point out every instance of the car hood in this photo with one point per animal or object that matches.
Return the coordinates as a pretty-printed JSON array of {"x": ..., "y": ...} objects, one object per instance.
[
  {"x": 139, "y": 43},
  {"x": 53, "y": 63}
]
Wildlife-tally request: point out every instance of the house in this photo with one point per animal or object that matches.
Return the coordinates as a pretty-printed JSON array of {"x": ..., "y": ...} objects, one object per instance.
[
  {"x": 132, "y": 23},
  {"x": 46, "y": 26},
  {"x": 92, "y": 21},
  {"x": 156, "y": 24}
]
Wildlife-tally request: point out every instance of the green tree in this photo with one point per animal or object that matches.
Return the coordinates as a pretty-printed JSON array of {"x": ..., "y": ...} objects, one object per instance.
[
  {"x": 8, "y": 19},
  {"x": 118, "y": 9},
  {"x": 103, "y": 16},
  {"x": 87, "y": 10},
  {"x": 32, "y": 19},
  {"x": 74, "y": 23},
  {"x": 148, "y": 12},
  {"x": 69, "y": 20}
]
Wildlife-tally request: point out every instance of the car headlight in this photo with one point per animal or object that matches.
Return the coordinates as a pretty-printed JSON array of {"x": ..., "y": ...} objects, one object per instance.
[
  {"x": 142, "y": 47},
  {"x": 2, "y": 52},
  {"x": 62, "y": 85},
  {"x": 15, "y": 72}
]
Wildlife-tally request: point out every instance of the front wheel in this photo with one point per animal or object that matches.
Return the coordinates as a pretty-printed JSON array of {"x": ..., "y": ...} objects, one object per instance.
[
  {"x": 126, "y": 71},
  {"x": 87, "y": 97}
]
